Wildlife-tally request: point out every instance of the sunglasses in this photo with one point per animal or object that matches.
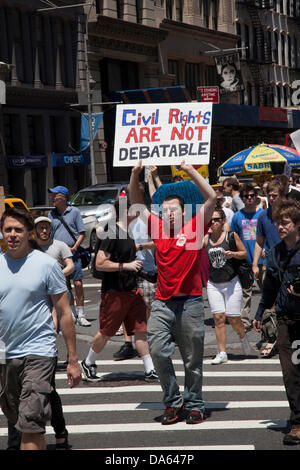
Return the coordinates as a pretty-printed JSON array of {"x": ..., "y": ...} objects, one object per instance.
[
  {"x": 216, "y": 219},
  {"x": 246, "y": 196}
]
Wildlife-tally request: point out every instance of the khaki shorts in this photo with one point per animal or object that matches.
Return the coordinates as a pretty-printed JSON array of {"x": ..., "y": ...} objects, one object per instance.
[{"x": 25, "y": 386}]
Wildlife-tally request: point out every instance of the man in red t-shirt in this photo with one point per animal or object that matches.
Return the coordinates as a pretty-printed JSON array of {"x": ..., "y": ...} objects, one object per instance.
[{"x": 177, "y": 314}]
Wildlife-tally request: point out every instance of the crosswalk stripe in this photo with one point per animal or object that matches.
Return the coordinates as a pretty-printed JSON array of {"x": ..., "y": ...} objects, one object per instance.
[
  {"x": 181, "y": 426},
  {"x": 134, "y": 362},
  {"x": 157, "y": 388},
  {"x": 140, "y": 375},
  {"x": 149, "y": 406},
  {"x": 186, "y": 448}
]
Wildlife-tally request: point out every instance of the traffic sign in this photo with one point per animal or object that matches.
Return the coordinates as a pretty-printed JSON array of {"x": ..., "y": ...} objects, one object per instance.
[{"x": 207, "y": 94}]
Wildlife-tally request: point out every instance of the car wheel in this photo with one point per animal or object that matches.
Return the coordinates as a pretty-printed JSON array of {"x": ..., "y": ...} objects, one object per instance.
[{"x": 93, "y": 241}]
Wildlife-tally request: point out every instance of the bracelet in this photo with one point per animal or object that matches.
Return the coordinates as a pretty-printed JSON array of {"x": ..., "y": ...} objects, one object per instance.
[{"x": 120, "y": 267}]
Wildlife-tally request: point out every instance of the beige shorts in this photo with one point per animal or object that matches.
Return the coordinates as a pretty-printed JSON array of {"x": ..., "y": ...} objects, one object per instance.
[{"x": 25, "y": 386}]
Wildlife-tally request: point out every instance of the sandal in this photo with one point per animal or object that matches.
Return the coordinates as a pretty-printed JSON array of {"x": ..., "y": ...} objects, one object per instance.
[
  {"x": 62, "y": 445},
  {"x": 269, "y": 350}
]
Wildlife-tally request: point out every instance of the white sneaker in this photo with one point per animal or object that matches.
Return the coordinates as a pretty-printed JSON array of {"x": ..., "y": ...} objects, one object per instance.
[
  {"x": 220, "y": 358},
  {"x": 82, "y": 321},
  {"x": 246, "y": 346}
]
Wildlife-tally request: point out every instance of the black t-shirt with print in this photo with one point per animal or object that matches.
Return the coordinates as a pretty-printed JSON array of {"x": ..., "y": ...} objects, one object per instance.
[{"x": 122, "y": 250}]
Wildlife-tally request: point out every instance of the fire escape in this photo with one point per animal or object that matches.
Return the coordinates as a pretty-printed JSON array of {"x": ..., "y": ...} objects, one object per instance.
[{"x": 263, "y": 50}]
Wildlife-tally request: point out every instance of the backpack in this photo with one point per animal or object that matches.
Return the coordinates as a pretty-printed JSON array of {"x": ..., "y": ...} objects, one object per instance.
[{"x": 95, "y": 273}]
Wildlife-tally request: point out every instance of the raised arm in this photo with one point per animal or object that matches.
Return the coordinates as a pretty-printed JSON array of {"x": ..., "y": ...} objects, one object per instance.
[
  {"x": 135, "y": 194},
  {"x": 206, "y": 190}
]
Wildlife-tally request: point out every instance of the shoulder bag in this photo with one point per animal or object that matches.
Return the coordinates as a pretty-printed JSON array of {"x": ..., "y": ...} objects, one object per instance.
[
  {"x": 241, "y": 267},
  {"x": 84, "y": 254}
]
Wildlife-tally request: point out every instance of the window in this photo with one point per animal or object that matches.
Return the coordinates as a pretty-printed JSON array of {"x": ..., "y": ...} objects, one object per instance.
[
  {"x": 278, "y": 96},
  {"x": 206, "y": 12},
  {"x": 173, "y": 69},
  {"x": 139, "y": 11},
  {"x": 275, "y": 48},
  {"x": 247, "y": 41},
  {"x": 215, "y": 14},
  {"x": 169, "y": 9},
  {"x": 11, "y": 125},
  {"x": 120, "y": 9},
  {"x": 179, "y": 10},
  {"x": 295, "y": 53},
  {"x": 99, "y": 7},
  {"x": 192, "y": 78},
  {"x": 282, "y": 40},
  {"x": 249, "y": 93},
  {"x": 210, "y": 75}
]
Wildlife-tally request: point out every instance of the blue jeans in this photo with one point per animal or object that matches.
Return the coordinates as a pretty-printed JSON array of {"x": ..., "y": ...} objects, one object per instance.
[{"x": 180, "y": 321}]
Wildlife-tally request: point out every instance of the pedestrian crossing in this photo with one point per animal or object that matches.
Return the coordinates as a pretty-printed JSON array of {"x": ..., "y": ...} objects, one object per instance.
[{"x": 245, "y": 402}]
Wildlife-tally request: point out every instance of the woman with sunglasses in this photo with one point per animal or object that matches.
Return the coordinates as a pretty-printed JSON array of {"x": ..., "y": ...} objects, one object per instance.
[{"x": 224, "y": 290}]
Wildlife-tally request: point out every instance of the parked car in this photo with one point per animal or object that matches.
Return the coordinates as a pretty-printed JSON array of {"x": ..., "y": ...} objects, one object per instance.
[
  {"x": 95, "y": 205},
  {"x": 90, "y": 223}
]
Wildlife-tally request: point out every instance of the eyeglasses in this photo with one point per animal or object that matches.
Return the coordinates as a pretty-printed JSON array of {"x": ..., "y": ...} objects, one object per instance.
[
  {"x": 216, "y": 219},
  {"x": 284, "y": 223},
  {"x": 246, "y": 196}
]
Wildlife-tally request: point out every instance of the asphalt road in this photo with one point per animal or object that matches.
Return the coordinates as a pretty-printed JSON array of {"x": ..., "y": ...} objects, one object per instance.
[{"x": 245, "y": 401}]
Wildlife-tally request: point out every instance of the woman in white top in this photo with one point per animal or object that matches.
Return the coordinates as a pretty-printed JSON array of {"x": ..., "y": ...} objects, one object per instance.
[{"x": 224, "y": 290}]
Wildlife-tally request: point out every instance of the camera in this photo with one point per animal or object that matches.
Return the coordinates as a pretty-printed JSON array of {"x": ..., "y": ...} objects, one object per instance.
[
  {"x": 148, "y": 276},
  {"x": 296, "y": 285}
]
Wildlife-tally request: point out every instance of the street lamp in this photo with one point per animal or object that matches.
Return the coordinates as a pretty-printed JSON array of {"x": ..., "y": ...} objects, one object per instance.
[{"x": 52, "y": 6}]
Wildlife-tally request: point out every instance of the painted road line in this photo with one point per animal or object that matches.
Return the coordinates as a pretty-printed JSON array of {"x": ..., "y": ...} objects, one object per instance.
[
  {"x": 181, "y": 426},
  {"x": 134, "y": 362},
  {"x": 175, "y": 449},
  {"x": 141, "y": 375},
  {"x": 157, "y": 388},
  {"x": 149, "y": 406}
]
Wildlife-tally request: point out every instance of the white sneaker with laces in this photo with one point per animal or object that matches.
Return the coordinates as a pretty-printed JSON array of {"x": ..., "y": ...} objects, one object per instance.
[
  {"x": 220, "y": 358},
  {"x": 82, "y": 321},
  {"x": 246, "y": 346}
]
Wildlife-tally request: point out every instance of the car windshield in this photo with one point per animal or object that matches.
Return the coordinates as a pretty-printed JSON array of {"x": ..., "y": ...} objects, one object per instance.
[{"x": 94, "y": 198}]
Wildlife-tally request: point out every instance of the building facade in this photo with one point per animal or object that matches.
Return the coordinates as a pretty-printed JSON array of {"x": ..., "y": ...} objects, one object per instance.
[{"x": 148, "y": 46}]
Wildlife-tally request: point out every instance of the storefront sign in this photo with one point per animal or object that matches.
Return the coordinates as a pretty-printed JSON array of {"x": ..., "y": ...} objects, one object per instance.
[
  {"x": 32, "y": 161},
  {"x": 273, "y": 114},
  {"x": 163, "y": 134},
  {"x": 62, "y": 159}
]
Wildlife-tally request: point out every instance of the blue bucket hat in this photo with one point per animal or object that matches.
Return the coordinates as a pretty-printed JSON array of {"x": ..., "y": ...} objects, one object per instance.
[{"x": 59, "y": 189}]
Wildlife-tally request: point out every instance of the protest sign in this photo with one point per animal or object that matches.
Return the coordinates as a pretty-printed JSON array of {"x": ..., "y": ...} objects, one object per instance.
[{"x": 162, "y": 134}]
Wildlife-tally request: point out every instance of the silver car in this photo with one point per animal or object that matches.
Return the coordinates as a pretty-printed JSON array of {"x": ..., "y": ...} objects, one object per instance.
[{"x": 95, "y": 205}]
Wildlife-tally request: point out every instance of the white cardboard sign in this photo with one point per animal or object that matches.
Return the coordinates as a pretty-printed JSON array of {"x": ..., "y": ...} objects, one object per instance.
[
  {"x": 295, "y": 136},
  {"x": 162, "y": 134}
]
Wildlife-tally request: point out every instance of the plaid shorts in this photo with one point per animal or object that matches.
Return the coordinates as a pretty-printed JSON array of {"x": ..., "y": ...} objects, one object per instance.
[{"x": 149, "y": 290}]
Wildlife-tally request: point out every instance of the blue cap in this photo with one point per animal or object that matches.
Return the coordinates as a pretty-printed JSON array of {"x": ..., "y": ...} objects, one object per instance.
[{"x": 59, "y": 189}]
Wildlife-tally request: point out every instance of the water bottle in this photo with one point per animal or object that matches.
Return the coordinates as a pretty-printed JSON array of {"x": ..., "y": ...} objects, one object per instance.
[{"x": 2, "y": 352}]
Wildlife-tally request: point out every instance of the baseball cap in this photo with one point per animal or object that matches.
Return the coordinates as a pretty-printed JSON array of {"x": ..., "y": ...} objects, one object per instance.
[
  {"x": 59, "y": 189},
  {"x": 42, "y": 219}
]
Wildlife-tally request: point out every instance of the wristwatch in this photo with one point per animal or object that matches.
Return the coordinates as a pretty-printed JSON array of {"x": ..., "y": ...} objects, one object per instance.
[{"x": 141, "y": 247}]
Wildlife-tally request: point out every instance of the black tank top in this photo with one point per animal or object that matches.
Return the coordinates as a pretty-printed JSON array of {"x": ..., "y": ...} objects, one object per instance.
[{"x": 221, "y": 268}]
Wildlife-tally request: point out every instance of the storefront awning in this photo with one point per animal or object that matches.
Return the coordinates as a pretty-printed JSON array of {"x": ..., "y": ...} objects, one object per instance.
[{"x": 172, "y": 94}]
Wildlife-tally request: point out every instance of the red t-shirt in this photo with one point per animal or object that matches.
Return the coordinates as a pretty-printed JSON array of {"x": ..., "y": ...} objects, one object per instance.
[{"x": 178, "y": 258}]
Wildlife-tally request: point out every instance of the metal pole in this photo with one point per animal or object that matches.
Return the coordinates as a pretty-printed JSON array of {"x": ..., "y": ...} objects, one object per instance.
[{"x": 89, "y": 100}]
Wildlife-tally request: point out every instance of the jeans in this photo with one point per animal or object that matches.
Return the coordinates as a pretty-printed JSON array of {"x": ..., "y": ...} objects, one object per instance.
[
  {"x": 288, "y": 341},
  {"x": 180, "y": 321}
]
